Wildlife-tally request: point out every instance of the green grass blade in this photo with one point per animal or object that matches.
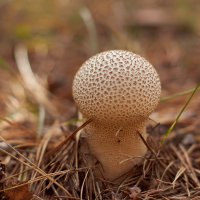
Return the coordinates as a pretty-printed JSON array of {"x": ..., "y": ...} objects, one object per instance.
[
  {"x": 179, "y": 94},
  {"x": 180, "y": 113}
]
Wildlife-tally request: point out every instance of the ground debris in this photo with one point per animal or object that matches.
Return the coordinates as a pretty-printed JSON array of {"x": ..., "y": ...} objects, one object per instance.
[{"x": 171, "y": 172}]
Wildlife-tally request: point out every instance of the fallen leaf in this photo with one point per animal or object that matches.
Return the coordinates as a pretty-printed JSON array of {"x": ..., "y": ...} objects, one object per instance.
[{"x": 19, "y": 193}]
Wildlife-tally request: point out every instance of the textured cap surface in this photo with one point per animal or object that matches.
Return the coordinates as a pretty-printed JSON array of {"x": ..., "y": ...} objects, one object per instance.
[{"x": 116, "y": 86}]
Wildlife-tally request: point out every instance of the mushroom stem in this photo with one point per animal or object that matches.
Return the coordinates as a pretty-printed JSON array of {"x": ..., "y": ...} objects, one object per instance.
[{"x": 119, "y": 152}]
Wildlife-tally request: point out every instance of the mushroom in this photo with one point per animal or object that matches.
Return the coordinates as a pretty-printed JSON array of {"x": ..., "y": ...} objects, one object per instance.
[{"x": 118, "y": 90}]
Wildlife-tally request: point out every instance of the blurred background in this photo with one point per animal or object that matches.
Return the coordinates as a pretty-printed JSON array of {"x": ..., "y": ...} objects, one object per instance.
[{"x": 59, "y": 35}]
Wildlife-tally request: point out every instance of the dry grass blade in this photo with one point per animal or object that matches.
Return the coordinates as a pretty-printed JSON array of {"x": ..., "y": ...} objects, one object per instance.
[
  {"x": 31, "y": 165},
  {"x": 30, "y": 81},
  {"x": 72, "y": 136},
  {"x": 43, "y": 145},
  {"x": 190, "y": 167},
  {"x": 83, "y": 184},
  {"x": 164, "y": 173},
  {"x": 42, "y": 178},
  {"x": 179, "y": 173},
  {"x": 174, "y": 96},
  {"x": 89, "y": 22}
]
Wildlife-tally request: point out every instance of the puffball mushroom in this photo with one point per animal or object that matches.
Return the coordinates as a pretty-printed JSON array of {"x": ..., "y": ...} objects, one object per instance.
[{"x": 118, "y": 90}]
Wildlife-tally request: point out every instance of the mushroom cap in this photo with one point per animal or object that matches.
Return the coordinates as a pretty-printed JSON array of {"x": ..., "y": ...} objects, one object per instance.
[{"x": 116, "y": 86}]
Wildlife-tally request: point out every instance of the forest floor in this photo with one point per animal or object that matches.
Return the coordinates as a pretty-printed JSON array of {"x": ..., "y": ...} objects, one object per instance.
[{"x": 42, "y": 45}]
